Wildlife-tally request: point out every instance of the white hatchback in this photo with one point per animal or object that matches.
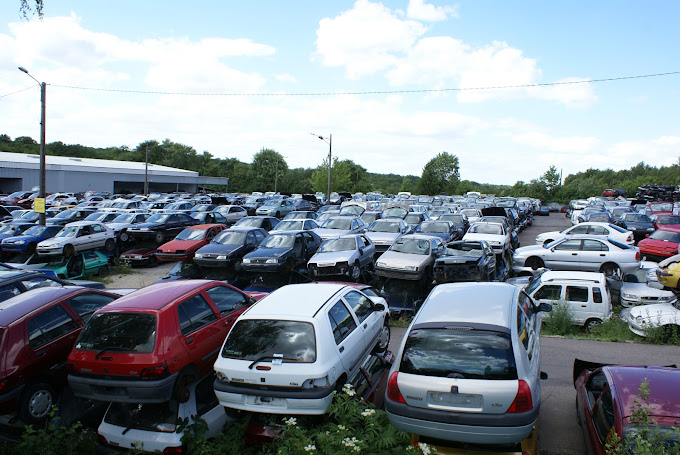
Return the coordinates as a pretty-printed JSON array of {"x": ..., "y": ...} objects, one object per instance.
[{"x": 290, "y": 351}]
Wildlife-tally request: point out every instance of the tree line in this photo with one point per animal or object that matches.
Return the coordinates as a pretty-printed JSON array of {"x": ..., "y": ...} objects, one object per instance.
[{"x": 269, "y": 171}]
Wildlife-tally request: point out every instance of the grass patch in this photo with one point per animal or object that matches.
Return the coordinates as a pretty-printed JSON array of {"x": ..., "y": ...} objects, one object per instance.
[
  {"x": 614, "y": 330},
  {"x": 560, "y": 321},
  {"x": 400, "y": 322}
]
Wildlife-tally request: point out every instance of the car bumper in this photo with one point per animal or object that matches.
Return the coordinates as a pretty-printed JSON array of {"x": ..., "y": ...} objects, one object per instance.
[
  {"x": 121, "y": 390},
  {"x": 399, "y": 274},
  {"x": 174, "y": 257},
  {"x": 50, "y": 250},
  {"x": 137, "y": 260},
  {"x": 208, "y": 262},
  {"x": 478, "y": 428},
  {"x": 297, "y": 401},
  {"x": 251, "y": 267},
  {"x": 342, "y": 270},
  {"x": 9, "y": 401}
]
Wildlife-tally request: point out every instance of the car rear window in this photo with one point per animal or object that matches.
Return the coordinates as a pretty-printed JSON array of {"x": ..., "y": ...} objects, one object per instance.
[
  {"x": 161, "y": 417},
  {"x": 267, "y": 339},
  {"x": 123, "y": 332},
  {"x": 458, "y": 353}
]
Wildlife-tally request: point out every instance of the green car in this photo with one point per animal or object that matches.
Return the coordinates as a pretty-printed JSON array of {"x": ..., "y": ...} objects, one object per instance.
[{"x": 79, "y": 265}]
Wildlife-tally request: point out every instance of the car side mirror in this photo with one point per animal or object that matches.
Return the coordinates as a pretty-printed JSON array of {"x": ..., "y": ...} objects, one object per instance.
[
  {"x": 543, "y": 307},
  {"x": 361, "y": 251},
  {"x": 543, "y": 375},
  {"x": 379, "y": 307}
]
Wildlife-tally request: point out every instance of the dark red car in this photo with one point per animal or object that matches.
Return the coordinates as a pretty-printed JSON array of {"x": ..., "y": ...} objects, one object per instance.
[
  {"x": 148, "y": 345},
  {"x": 667, "y": 222},
  {"x": 605, "y": 396},
  {"x": 38, "y": 329},
  {"x": 187, "y": 242},
  {"x": 660, "y": 244}
]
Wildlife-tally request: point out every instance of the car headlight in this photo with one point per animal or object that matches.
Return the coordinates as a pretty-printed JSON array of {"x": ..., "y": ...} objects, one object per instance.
[
  {"x": 628, "y": 296},
  {"x": 638, "y": 319},
  {"x": 667, "y": 298},
  {"x": 221, "y": 257},
  {"x": 272, "y": 261},
  {"x": 19, "y": 242},
  {"x": 198, "y": 255},
  {"x": 381, "y": 264},
  {"x": 246, "y": 260},
  {"x": 412, "y": 268}
]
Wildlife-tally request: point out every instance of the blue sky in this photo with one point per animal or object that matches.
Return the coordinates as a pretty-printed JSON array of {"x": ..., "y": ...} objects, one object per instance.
[{"x": 269, "y": 49}]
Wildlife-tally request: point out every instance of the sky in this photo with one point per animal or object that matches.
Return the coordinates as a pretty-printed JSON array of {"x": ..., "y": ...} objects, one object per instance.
[{"x": 510, "y": 88}]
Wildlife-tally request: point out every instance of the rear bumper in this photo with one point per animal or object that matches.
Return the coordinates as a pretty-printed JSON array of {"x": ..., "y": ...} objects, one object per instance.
[
  {"x": 174, "y": 257},
  {"x": 399, "y": 274},
  {"x": 295, "y": 401},
  {"x": 122, "y": 390}
]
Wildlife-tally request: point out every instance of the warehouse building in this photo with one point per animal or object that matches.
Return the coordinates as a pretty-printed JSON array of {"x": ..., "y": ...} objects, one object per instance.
[{"x": 21, "y": 171}]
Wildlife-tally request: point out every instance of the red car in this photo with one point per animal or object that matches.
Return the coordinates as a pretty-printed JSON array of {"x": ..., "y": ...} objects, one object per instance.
[
  {"x": 151, "y": 343},
  {"x": 187, "y": 242},
  {"x": 667, "y": 222},
  {"x": 660, "y": 244},
  {"x": 660, "y": 208},
  {"x": 38, "y": 329},
  {"x": 605, "y": 397}
]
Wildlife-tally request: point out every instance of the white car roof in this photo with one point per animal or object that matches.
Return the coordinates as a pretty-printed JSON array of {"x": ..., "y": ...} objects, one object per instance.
[
  {"x": 560, "y": 275},
  {"x": 294, "y": 300}
]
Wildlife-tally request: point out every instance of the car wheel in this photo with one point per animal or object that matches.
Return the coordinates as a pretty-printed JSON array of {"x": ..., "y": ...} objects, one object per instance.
[
  {"x": 278, "y": 215},
  {"x": 159, "y": 237},
  {"x": 124, "y": 237},
  {"x": 103, "y": 271},
  {"x": 610, "y": 269},
  {"x": 355, "y": 272},
  {"x": 110, "y": 245},
  {"x": 31, "y": 247},
  {"x": 591, "y": 324},
  {"x": 182, "y": 392},
  {"x": 153, "y": 261},
  {"x": 535, "y": 263},
  {"x": 69, "y": 250},
  {"x": 36, "y": 402},
  {"x": 383, "y": 339}
]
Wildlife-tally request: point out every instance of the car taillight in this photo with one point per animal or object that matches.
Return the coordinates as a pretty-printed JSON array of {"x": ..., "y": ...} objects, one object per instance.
[
  {"x": 393, "y": 392},
  {"x": 3, "y": 385},
  {"x": 154, "y": 372},
  {"x": 630, "y": 238},
  {"x": 637, "y": 255},
  {"x": 102, "y": 440},
  {"x": 174, "y": 450},
  {"x": 523, "y": 401}
]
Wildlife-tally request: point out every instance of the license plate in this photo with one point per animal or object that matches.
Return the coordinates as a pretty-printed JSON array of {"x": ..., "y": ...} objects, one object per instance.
[
  {"x": 326, "y": 264},
  {"x": 266, "y": 401},
  {"x": 462, "y": 400}
]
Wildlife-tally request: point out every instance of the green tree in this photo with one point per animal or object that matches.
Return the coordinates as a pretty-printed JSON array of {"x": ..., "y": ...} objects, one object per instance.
[
  {"x": 5, "y": 138},
  {"x": 25, "y": 8},
  {"x": 551, "y": 179},
  {"x": 25, "y": 140},
  {"x": 340, "y": 179},
  {"x": 440, "y": 175},
  {"x": 264, "y": 169}
]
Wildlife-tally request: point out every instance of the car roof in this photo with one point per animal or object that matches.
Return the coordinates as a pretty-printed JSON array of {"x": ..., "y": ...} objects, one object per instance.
[
  {"x": 158, "y": 295},
  {"x": 663, "y": 391},
  {"x": 475, "y": 303},
  {"x": 203, "y": 226},
  {"x": 16, "y": 307},
  {"x": 308, "y": 298},
  {"x": 572, "y": 276}
]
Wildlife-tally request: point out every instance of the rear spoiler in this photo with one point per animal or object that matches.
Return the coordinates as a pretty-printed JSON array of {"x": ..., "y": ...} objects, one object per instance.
[{"x": 582, "y": 365}]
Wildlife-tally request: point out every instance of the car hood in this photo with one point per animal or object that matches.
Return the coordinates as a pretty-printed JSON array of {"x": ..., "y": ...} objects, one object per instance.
[
  {"x": 118, "y": 226},
  {"x": 400, "y": 260},
  {"x": 637, "y": 225},
  {"x": 642, "y": 290},
  {"x": 216, "y": 248},
  {"x": 56, "y": 241},
  {"x": 330, "y": 233},
  {"x": 453, "y": 260},
  {"x": 383, "y": 236},
  {"x": 531, "y": 249},
  {"x": 148, "y": 226},
  {"x": 25, "y": 238},
  {"x": 268, "y": 253},
  {"x": 487, "y": 237},
  {"x": 334, "y": 257},
  {"x": 181, "y": 245},
  {"x": 659, "y": 312}
]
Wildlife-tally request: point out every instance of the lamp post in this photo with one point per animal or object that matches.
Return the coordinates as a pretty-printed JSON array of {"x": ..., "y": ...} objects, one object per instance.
[
  {"x": 43, "y": 95},
  {"x": 330, "y": 151}
]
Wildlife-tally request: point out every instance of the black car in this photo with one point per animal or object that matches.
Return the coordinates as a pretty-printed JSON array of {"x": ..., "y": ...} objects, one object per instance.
[
  {"x": 282, "y": 252},
  {"x": 637, "y": 223},
  {"x": 265, "y": 222},
  {"x": 253, "y": 203},
  {"x": 465, "y": 261},
  {"x": 459, "y": 220},
  {"x": 228, "y": 248},
  {"x": 69, "y": 216},
  {"x": 162, "y": 227},
  {"x": 15, "y": 281}
]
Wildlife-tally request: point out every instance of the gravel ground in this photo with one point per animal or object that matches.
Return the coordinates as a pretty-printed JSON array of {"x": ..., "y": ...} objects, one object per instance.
[{"x": 140, "y": 276}]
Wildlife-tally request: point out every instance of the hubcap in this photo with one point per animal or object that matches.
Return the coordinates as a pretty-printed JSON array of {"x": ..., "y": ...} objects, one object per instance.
[{"x": 40, "y": 403}]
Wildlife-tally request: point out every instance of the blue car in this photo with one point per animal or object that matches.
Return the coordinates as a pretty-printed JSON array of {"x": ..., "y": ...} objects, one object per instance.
[
  {"x": 27, "y": 241},
  {"x": 11, "y": 230},
  {"x": 282, "y": 252}
]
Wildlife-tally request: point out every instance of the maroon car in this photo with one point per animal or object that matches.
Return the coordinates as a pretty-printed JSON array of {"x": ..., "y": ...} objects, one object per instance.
[
  {"x": 187, "y": 242},
  {"x": 660, "y": 244},
  {"x": 667, "y": 222},
  {"x": 38, "y": 329},
  {"x": 605, "y": 401}
]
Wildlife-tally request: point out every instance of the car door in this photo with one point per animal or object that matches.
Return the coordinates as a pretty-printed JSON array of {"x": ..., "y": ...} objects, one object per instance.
[
  {"x": 370, "y": 320},
  {"x": 367, "y": 250},
  {"x": 349, "y": 339},
  {"x": 578, "y": 300},
  {"x": 201, "y": 329},
  {"x": 83, "y": 240},
  {"x": 98, "y": 236},
  {"x": 564, "y": 256},
  {"x": 173, "y": 226},
  {"x": 598, "y": 413},
  {"x": 593, "y": 254}
]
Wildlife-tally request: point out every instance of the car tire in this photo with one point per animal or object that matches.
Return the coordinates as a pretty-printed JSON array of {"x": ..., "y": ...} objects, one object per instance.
[
  {"x": 610, "y": 269},
  {"x": 69, "y": 250},
  {"x": 591, "y": 324},
  {"x": 124, "y": 237},
  {"x": 278, "y": 215},
  {"x": 153, "y": 261},
  {"x": 31, "y": 247},
  {"x": 355, "y": 272},
  {"x": 181, "y": 392},
  {"x": 383, "y": 339},
  {"x": 110, "y": 245},
  {"x": 535, "y": 263},
  {"x": 36, "y": 402},
  {"x": 103, "y": 271},
  {"x": 159, "y": 237}
]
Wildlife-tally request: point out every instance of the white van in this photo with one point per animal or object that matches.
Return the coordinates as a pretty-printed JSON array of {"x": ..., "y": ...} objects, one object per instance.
[{"x": 585, "y": 293}]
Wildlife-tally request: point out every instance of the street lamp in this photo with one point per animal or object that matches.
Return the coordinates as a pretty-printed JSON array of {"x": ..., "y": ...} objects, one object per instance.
[
  {"x": 330, "y": 150},
  {"x": 43, "y": 94}
]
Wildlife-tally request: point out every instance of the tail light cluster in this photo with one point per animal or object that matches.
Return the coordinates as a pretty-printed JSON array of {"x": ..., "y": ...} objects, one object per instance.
[
  {"x": 637, "y": 255},
  {"x": 523, "y": 401},
  {"x": 393, "y": 392},
  {"x": 158, "y": 372}
]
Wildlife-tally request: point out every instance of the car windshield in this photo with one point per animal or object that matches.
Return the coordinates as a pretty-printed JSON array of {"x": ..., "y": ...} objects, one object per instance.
[
  {"x": 413, "y": 218},
  {"x": 456, "y": 219},
  {"x": 230, "y": 238},
  {"x": 175, "y": 206},
  {"x": 265, "y": 340},
  {"x": 278, "y": 241},
  {"x": 68, "y": 231},
  {"x": 35, "y": 230},
  {"x": 29, "y": 216},
  {"x": 339, "y": 244},
  {"x": 451, "y": 353},
  {"x": 124, "y": 219},
  {"x": 507, "y": 204},
  {"x": 119, "y": 332},
  {"x": 386, "y": 226},
  {"x": 9, "y": 229},
  {"x": 665, "y": 235},
  {"x": 394, "y": 213},
  {"x": 65, "y": 214},
  {"x": 249, "y": 222},
  {"x": 191, "y": 234},
  {"x": 161, "y": 417},
  {"x": 290, "y": 225},
  {"x": 97, "y": 216},
  {"x": 486, "y": 228},
  {"x": 467, "y": 249},
  {"x": 272, "y": 203},
  {"x": 158, "y": 218},
  {"x": 599, "y": 217},
  {"x": 297, "y": 215},
  {"x": 675, "y": 219},
  {"x": 469, "y": 212},
  {"x": 411, "y": 246},
  {"x": 434, "y": 228},
  {"x": 337, "y": 223},
  {"x": 636, "y": 218},
  {"x": 661, "y": 207}
]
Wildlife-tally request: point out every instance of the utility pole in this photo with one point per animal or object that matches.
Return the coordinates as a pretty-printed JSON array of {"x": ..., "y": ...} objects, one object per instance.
[
  {"x": 276, "y": 179},
  {"x": 146, "y": 172},
  {"x": 330, "y": 163}
]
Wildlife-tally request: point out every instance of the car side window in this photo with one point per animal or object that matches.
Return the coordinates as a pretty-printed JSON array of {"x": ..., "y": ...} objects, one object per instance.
[
  {"x": 597, "y": 295},
  {"x": 342, "y": 321},
  {"x": 597, "y": 230},
  {"x": 577, "y": 294},
  {"x": 579, "y": 230},
  {"x": 40, "y": 282},
  {"x": 360, "y": 304},
  {"x": 49, "y": 325},
  {"x": 86, "y": 304},
  {"x": 194, "y": 313},
  {"x": 523, "y": 327},
  {"x": 569, "y": 245},
  {"x": 96, "y": 229},
  {"x": 594, "y": 245},
  {"x": 8, "y": 291},
  {"x": 549, "y": 292},
  {"x": 595, "y": 385},
  {"x": 226, "y": 299},
  {"x": 603, "y": 415}
]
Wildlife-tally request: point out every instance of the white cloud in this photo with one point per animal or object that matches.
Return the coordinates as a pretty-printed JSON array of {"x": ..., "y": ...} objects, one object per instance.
[
  {"x": 545, "y": 142},
  {"x": 419, "y": 10},
  {"x": 286, "y": 77}
]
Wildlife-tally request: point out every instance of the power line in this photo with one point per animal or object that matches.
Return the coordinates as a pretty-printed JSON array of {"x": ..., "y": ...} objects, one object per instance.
[
  {"x": 368, "y": 92},
  {"x": 18, "y": 91}
]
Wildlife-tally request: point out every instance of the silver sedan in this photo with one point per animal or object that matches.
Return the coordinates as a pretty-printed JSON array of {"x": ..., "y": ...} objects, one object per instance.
[{"x": 342, "y": 256}]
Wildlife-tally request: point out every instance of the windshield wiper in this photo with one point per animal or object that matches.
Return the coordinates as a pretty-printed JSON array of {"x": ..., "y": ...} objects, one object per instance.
[
  {"x": 110, "y": 348},
  {"x": 269, "y": 357}
]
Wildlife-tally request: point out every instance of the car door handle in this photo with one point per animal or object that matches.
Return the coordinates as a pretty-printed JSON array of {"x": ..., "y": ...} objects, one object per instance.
[
  {"x": 342, "y": 349},
  {"x": 40, "y": 353},
  {"x": 602, "y": 254},
  {"x": 190, "y": 340},
  {"x": 584, "y": 306},
  {"x": 365, "y": 326}
]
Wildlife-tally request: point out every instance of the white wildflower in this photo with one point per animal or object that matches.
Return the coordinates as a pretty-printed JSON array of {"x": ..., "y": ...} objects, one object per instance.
[
  {"x": 310, "y": 448},
  {"x": 424, "y": 448},
  {"x": 291, "y": 421},
  {"x": 349, "y": 390},
  {"x": 368, "y": 412},
  {"x": 341, "y": 427}
]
